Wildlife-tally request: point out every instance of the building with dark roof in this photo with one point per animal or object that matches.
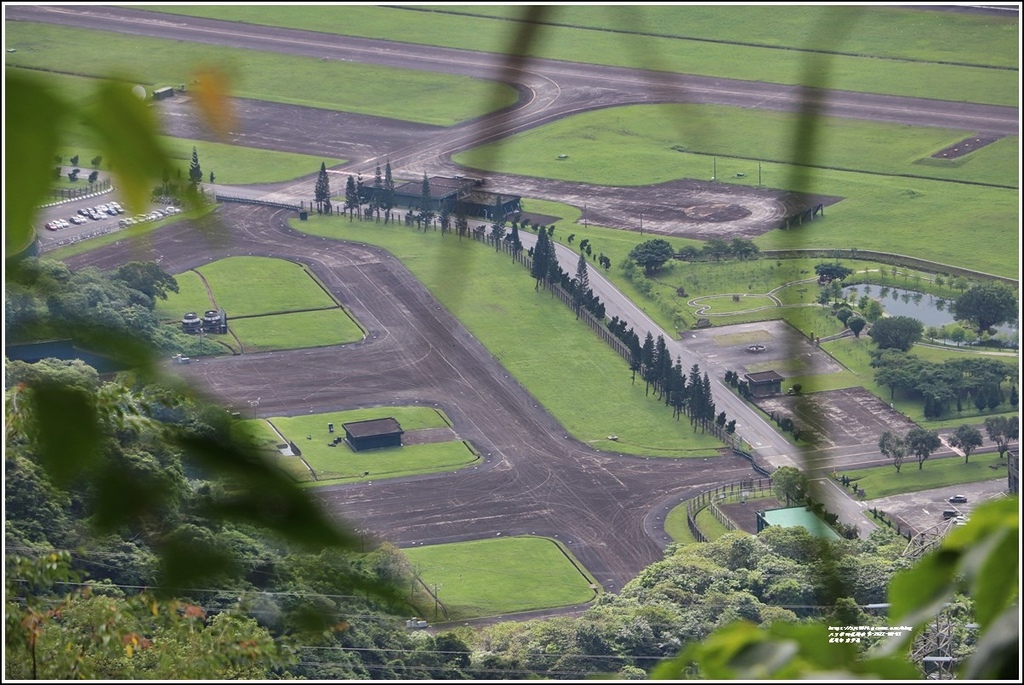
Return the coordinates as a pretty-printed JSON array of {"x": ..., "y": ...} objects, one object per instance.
[
  {"x": 449, "y": 193},
  {"x": 764, "y": 383},
  {"x": 373, "y": 434}
]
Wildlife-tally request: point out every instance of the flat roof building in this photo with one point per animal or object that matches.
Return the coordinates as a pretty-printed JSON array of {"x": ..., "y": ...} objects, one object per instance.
[{"x": 373, "y": 434}]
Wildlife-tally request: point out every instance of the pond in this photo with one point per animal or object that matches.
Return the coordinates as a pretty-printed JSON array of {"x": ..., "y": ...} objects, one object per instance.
[{"x": 928, "y": 309}]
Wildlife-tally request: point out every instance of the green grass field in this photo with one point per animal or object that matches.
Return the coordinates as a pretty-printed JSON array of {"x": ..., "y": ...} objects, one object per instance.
[
  {"x": 885, "y": 207},
  {"x": 677, "y": 39},
  {"x": 231, "y": 164},
  {"x": 340, "y": 463},
  {"x": 295, "y": 329},
  {"x": 295, "y": 312},
  {"x": 501, "y": 576},
  {"x": 404, "y": 94},
  {"x": 574, "y": 374},
  {"x": 883, "y": 481}
]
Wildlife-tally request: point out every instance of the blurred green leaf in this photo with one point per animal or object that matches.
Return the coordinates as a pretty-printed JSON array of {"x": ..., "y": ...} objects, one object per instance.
[
  {"x": 997, "y": 654},
  {"x": 129, "y": 135},
  {"x": 38, "y": 118},
  {"x": 66, "y": 430},
  {"x": 917, "y": 594}
]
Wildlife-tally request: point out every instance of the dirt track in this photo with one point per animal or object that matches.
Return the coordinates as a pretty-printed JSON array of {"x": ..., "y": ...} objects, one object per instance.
[{"x": 534, "y": 479}]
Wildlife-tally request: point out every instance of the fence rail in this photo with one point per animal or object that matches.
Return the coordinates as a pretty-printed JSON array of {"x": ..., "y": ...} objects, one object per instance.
[
  {"x": 255, "y": 201},
  {"x": 707, "y": 499}
]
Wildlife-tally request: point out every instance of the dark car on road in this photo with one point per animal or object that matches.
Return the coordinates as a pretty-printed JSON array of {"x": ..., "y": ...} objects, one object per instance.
[{"x": 958, "y": 499}]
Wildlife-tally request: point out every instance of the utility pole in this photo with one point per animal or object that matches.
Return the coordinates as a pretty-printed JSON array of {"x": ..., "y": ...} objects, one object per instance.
[
  {"x": 641, "y": 223},
  {"x": 584, "y": 215},
  {"x": 759, "y": 174}
]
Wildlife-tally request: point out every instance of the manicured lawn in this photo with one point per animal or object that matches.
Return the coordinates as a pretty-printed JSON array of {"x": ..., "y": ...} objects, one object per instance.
[
  {"x": 572, "y": 373},
  {"x": 709, "y": 525},
  {"x": 883, "y": 481},
  {"x": 191, "y": 297},
  {"x": 230, "y": 164},
  {"x": 244, "y": 286},
  {"x": 295, "y": 330},
  {"x": 657, "y": 40},
  {"x": 404, "y": 94},
  {"x": 339, "y": 463},
  {"x": 272, "y": 304},
  {"x": 633, "y": 146},
  {"x": 501, "y": 576},
  {"x": 642, "y": 144}
]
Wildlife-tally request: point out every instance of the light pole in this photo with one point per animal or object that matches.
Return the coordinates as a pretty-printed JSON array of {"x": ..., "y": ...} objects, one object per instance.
[
  {"x": 641, "y": 223},
  {"x": 254, "y": 404}
]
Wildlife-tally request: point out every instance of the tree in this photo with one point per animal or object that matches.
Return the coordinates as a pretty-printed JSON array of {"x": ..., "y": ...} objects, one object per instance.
[
  {"x": 856, "y": 323},
  {"x": 322, "y": 192},
  {"x": 790, "y": 483},
  {"x": 897, "y": 332},
  {"x": 543, "y": 253},
  {"x": 350, "y": 195},
  {"x": 966, "y": 438},
  {"x": 652, "y": 254},
  {"x": 1002, "y": 431},
  {"x": 93, "y": 176},
  {"x": 387, "y": 201},
  {"x": 831, "y": 271},
  {"x": 743, "y": 248},
  {"x": 426, "y": 203},
  {"x": 987, "y": 305},
  {"x": 893, "y": 447},
  {"x": 378, "y": 193},
  {"x": 195, "y": 172},
  {"x": 922, "y": 443},
  {"x": 498, "y": 222},
  {"x": 581, "y": 284},
  {"x": 148, "y": 278}
]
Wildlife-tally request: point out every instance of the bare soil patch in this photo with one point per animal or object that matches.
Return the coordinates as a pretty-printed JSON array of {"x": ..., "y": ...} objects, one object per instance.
[
  {"x": 965, "y": 146},
  {"x": 745, "y": 515},
  {"x": 852, "y": 416}
]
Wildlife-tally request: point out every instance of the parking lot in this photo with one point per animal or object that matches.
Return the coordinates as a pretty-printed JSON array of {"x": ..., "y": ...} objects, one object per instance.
[
  {"x": 923, "y": 510},
  {"x": 76, "y": 220}
]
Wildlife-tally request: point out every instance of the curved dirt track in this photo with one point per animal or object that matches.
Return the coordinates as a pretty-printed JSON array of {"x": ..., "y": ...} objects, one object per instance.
[{"x": 533, "y": 479}]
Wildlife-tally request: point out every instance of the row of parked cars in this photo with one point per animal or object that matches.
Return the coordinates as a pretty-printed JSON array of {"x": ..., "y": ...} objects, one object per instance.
[
  {"x": 101, "y": 212},
  {"x": 97, "y": 213},
  {"x": 155, "y": 215}
]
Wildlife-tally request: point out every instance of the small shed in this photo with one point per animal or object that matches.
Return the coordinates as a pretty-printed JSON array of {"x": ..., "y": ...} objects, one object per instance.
[
  {"x": 163, "y": 93},
  {"x": 764, "y": 383},
  {"x": 373, "y": 434}
]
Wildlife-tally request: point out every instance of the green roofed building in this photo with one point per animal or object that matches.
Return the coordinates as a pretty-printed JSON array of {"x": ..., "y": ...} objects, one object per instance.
[{"x": 788, "y": 517}]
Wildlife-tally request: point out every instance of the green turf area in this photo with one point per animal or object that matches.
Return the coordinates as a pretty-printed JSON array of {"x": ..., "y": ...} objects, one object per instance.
[
  {"x": 501, "y": 576},
  {"x": 643, "y": 144},
  {"x": 231, "y": 164},
  {"x": 404, "y": 94},
  {"x": 320, "y": 463},
  {"x": 234, "y": 281},
  {"x": 865, "y": 31},
  {"x": 295, "y": 329},
  {"x": 881, "y": 210},
  {"x": 709, "y": 525},
  {"x": 883, "y": 481},
  {"x": 272, "y": 304},
  {"x": 575, "y": 375}
]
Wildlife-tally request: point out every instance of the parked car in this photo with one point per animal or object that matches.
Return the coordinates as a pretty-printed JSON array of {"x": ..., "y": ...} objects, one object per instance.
[
  {"x": 958, "y": 499},
  {"x": 949, "y": 513}
]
